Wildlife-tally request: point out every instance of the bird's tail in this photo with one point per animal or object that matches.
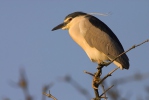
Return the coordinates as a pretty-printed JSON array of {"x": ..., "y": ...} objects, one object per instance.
[{"x": 122, "y": 62}]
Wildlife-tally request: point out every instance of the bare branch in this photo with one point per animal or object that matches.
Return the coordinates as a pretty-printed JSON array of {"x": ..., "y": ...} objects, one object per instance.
[
  {"x": 45, "y": 88},
  {"x": 89, "y": 73},
  {"x": 128, "y": 51},
  {"x": 49, "y": 95},
  {"x": 106, "y": 90},
  {"x": 109, "y": 74}
]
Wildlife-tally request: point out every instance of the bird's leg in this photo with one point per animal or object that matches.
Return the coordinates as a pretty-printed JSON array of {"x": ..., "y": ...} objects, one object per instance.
[
  {"x": 96, "y": 81},
  {"x": 97, "y": 75},
  {"x": 96, "y": 78},
  {"x": 99, "y": 70},
  {"x": 102, "y": 64}
]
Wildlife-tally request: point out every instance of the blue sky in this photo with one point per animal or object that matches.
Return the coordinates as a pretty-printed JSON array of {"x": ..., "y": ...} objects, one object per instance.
[{"x": 26, "y": 41}]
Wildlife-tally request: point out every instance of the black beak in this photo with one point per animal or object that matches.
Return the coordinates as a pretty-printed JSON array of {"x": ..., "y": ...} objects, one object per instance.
[{"x": 59, "y": 26}]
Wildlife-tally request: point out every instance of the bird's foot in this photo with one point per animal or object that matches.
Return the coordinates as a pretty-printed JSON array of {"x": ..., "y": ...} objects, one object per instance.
[
  {"x": 95, "y": 82},
  {"x": 96, "y": 78},
  {"x": 102, "y": 64}
]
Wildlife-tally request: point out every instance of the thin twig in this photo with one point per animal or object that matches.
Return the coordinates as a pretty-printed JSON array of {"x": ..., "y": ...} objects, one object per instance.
[
  {"x": 45, "y": 88},
  {"x": 128, "y": 51},
  {"x": 109, "y": 74},
  {"x": 89, "y": 73},
  {"x": 49, "y": 95},
  {"x": 106, "y": 90}
]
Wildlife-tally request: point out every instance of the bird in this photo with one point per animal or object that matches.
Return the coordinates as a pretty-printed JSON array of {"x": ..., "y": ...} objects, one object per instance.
[{"x": 95, "y": 38}]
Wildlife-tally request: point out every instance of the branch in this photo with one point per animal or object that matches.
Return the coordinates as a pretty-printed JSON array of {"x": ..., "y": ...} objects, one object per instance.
[
  {"x": 96, "y": 77},
  {"x": 128, "y": 51},
  {"x": 106, "y": 91},
  {"x": 49, "y": 95},
  {"x": 109, "y": 74},
  {"x": 45, "y": 88},
  {"x": 89, "y": 73}
]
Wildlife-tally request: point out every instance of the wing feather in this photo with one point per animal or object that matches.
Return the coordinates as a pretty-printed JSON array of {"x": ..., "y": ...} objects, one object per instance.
[{"x": 100, "y": 36}]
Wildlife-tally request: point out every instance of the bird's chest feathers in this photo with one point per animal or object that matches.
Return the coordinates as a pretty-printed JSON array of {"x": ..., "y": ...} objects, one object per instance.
[
  {"x": 77, "y": 32},
  {"x": 78, "y": 36}
]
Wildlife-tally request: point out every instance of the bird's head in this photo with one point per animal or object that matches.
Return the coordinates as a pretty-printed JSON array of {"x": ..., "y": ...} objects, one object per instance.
[{"x": 68, "y": 21}]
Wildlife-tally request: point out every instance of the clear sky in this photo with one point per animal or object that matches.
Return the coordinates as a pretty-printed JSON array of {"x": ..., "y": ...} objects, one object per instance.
[{"x": 26, "y": 40}]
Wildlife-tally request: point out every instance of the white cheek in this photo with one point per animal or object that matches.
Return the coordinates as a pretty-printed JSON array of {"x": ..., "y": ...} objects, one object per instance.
[{"x": 64, "y": 28}]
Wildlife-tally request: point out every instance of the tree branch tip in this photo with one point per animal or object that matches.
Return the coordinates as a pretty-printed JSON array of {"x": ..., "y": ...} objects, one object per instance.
[
  {"x": 134, "y": 46},
  {"x": 113, "y": 71},
  {"x": 49, "y": 95},
  {"x": 106, "y": 91},
  {"x": 88, "y": 73},
  {"x": 85, "y": 71}
]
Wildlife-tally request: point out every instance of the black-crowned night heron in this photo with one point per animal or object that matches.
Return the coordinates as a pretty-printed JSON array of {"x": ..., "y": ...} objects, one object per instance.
[{"x": 95, "y": 38}]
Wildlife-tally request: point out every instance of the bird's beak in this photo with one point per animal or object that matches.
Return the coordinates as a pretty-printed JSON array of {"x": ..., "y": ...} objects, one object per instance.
[{"x": 59, "y": 26}]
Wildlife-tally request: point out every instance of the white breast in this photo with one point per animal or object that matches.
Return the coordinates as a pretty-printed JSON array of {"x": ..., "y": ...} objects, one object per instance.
[{"x": 78, "y": 37}]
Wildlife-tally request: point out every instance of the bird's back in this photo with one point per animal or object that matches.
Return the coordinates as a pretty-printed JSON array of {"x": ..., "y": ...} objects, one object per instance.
[{"x": 115, "y": 47}]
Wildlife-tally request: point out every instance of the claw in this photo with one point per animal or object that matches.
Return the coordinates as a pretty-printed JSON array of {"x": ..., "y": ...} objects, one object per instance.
[
  {"x": 94, "y": 85},
  {"x": 102, "y": 64},
  {"x": 95, "y": 82}
]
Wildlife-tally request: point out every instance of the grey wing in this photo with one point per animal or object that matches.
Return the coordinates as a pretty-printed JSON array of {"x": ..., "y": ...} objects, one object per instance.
[{"x": 108, "y": 44}]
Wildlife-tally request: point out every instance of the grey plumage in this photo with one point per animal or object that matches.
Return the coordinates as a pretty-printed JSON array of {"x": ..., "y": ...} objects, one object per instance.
[
  {"x": 95, "y": 37},
  {"x": 102, "y": 38}
]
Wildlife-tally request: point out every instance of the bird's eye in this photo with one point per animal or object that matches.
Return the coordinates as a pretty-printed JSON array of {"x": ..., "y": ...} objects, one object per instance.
[{"x": 69, "y": 19}]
